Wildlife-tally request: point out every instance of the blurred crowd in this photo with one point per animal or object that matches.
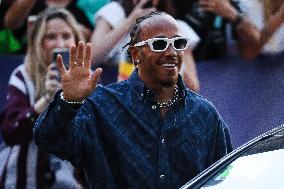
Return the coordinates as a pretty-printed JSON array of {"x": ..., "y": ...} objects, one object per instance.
[{"x": 36, "y": 28}]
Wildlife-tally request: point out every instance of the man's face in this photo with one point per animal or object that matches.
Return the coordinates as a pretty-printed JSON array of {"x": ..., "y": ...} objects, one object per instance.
[{"x": 159, "y": 68}]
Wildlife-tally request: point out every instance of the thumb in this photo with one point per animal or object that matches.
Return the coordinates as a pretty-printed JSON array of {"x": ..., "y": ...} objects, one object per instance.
[
  {"x": 95, "y": 77},
  {"x": 60, "y": 65}
]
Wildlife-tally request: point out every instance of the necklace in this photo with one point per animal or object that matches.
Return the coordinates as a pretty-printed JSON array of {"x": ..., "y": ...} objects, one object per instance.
[{"x": 170, "y": 102}]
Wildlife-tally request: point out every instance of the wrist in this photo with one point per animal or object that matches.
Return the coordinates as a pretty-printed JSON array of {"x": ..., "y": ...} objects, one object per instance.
[
  {"x": 40, "y": 105},
  {"x": 238, "y": 18},
  {"x": 70, "y": 102}
]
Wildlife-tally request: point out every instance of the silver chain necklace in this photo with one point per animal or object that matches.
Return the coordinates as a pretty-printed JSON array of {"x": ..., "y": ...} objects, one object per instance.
[{"x": 170, "y": 102}]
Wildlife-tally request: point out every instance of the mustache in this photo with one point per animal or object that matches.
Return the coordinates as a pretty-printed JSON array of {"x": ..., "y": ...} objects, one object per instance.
[{"x": 172, "y": 59}]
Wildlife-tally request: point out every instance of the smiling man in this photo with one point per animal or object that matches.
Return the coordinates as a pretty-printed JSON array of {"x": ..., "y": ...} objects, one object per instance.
[{"x": 149, "y": 131}]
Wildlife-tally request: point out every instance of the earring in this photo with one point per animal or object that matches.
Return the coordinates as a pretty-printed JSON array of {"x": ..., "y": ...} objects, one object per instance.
[{"x": 137, "y": 61}]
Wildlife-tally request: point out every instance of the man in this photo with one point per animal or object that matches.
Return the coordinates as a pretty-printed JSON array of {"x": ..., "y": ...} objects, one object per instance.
[{"x": 146, "y": 132}]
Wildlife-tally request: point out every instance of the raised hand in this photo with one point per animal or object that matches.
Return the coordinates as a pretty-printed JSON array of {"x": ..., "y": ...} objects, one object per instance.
[
  {"x": 78, "y": 82},
  {"x": 140, "y": 11},
  {"x": 281, "y": 11},
  {"x": 219, "y": 7}
]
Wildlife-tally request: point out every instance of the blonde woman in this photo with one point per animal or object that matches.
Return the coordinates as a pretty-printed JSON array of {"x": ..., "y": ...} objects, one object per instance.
[{"x": 31, "y": 87}]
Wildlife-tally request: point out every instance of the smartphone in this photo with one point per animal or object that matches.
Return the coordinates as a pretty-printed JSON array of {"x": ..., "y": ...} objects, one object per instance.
[
  {"x": 64, "y": 52},
  {"x": 148, "y": 4}
]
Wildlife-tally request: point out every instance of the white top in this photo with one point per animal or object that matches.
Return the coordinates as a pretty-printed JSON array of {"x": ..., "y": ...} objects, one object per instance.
[
  {"x": 253, "y": 9},
  {"x": 114, "y": 14}
]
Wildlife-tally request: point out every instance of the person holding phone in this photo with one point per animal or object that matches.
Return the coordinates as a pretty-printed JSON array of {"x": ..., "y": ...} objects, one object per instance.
[
  {"x": 260, "y": 27},
  {"x": 213, "y": 22},
  {"x": 113, "y": 24},
  {"x": 31, "y": 87},
  {"x": 149, "y": 131}
]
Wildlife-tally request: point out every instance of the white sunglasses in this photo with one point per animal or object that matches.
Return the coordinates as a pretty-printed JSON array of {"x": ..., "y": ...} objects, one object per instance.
[{"x": 161, "y": 44}]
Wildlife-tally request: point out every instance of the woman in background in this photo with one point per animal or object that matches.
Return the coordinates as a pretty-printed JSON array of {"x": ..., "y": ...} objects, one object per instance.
[{"x": 31, "y": 87}]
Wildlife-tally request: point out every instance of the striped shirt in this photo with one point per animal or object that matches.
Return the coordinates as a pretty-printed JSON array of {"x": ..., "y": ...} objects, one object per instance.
[{"x": 24, "y": 166}]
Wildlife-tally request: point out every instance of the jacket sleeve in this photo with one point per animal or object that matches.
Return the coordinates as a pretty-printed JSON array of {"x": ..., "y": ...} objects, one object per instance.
[
  {"x": 61, "y": 129},
  {"x": 223, "y": 144},
  {"x": 17, "y": 118}
]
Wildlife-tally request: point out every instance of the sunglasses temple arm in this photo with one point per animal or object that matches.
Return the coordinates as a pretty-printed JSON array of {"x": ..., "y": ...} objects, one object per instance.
[{"x": 139, "y": 44}]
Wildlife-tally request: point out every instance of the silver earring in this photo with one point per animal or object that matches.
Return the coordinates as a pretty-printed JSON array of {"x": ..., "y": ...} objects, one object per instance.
[{"x": 137, "y": 61}]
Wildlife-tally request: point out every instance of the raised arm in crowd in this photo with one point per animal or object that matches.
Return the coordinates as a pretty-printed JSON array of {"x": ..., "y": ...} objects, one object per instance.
[{"x": 252, "y": 36}]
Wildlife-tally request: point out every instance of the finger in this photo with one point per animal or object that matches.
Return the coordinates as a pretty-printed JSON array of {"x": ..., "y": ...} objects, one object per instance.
[
  {"x": 95, "y": 77},
  {"x": 72, "y": 58},
  {"x": 149, "y": 10},
  {"x": 203, "y": 3},
  {"x": 142, "y": 3},
  {"x": 88, "y": 56},
  {"x": 60, "y": 65},
  {"x": 56, "y": 86},
  {"x": 53, "y": 85},
  {"x": 53, "y": 74},
  {"x": 208, "y": 9},
  {"x": 80, "y": 53}
]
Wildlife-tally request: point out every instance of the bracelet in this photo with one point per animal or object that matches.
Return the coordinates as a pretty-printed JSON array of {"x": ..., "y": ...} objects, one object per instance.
[{"x": 70, "y": 102}]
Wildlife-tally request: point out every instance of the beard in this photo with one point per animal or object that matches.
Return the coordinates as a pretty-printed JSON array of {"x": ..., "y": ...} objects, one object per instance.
[{"x": 169, "y": 82}]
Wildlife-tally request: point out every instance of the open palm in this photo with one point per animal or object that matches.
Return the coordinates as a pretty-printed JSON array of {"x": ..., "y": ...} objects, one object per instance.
[{"x": 78, "y": 81}]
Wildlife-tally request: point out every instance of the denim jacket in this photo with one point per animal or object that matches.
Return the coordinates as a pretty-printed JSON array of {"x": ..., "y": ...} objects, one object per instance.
[{"x": 120, "y": 139}]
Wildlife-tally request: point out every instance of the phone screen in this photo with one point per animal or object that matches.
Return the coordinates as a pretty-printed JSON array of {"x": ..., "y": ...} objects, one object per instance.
[{"x": 64, "y": 52}]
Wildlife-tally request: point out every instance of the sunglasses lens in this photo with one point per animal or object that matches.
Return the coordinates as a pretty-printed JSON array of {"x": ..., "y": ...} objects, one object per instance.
[
  {"x": 159, "y": 44},
  {"x": 180, "y": 44}
]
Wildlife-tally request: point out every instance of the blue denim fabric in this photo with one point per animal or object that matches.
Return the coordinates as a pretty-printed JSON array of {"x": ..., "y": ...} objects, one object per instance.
[{"x": 120, "y": 139}]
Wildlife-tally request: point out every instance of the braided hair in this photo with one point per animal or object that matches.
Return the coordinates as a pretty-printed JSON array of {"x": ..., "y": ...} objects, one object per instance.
[{"x": 135, "y": 32}]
